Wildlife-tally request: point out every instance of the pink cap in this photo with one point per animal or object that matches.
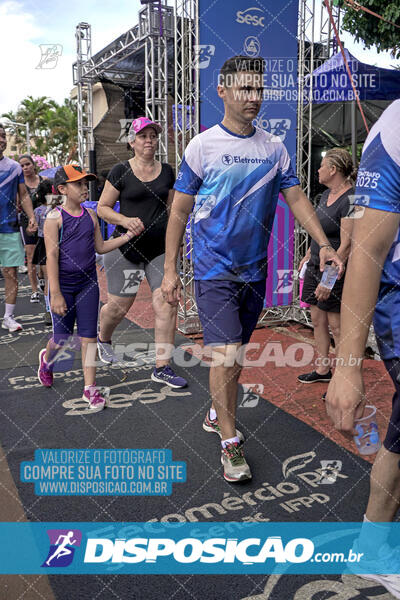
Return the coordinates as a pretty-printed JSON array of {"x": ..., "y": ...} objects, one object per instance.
[{"x": 139, "y": 124}]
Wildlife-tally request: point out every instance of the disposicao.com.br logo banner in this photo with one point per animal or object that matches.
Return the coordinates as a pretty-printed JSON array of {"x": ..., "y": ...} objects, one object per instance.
[{"x": 203, "y": 548}]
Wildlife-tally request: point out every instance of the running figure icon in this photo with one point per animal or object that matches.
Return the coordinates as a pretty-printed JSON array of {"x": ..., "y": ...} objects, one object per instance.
[{"x": 62, "y": 549}]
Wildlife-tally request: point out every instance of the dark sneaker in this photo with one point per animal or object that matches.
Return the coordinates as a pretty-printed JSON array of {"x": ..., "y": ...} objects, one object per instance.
[
  {"x": 45, "y": 371},
  {"x": 314, "y": 377},
  {"x": 106, "y": 353},
  {"x": 169, "y": 377},
  {"x": 212, "y": 425},
  {"x": 93, "y": 397},
  {"x": 234, "y": 463}
]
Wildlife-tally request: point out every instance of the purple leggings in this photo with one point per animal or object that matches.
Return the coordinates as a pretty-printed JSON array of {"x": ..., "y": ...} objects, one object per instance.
[{"x": 82, "y": 307}]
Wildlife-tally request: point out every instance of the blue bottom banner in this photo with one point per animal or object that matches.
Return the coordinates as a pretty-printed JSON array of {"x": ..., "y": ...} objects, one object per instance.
[{"x": 203, "y": 548}]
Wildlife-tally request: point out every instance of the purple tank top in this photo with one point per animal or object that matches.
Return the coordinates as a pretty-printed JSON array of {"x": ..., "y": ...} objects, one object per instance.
[{"x": 77, "y": 257}]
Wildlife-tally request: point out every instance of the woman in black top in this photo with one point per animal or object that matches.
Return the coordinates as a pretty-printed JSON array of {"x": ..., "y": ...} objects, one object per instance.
[
  {"x": 32, "y": 180},
  {"x": 337, "y": 174},
  {"x": 143, "y": 187}
]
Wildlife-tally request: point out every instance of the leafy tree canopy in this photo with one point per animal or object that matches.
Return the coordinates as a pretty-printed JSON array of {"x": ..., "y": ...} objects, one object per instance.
[
  {"x": 369, "y": 29},
  {"x": 53, "y": 127}
]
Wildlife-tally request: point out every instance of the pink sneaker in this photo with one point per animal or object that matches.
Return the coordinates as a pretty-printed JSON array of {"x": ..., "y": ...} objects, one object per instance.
[
  {"x": 94, "y": 398},
  {"x": 45, "y": 372}
]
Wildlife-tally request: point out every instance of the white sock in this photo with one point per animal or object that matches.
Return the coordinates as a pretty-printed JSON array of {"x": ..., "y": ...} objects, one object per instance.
[
  {"x": 213, "y": 414},
  {"x": 373, "y": 535},
  {"x": 9, "y": 310},
  {"x": 230, "y": 441},
  {"x": 87, "y": 387}
]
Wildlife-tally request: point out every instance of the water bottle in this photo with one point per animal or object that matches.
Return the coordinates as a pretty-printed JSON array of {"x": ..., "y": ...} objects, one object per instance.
[{"x": 329, "y": 276}]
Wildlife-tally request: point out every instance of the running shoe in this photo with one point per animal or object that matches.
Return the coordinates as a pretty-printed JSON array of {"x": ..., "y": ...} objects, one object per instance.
[
  {"x": 23, "y": 269},
  {"x": 169, "y": 377},
  {"x": 234, "y": 463},
  {"x": 45, "y": 371},
  {"x": 47, "y": 318},
  {"x": 94, "y": 398},
  {"x": 35, "y": 297},
  {"x": 387, "y": 559},
  {"x": 314, "y": 377},
  {"x": 106, "y": 353},
  {"x": 212, "y": 425},
  {"x": 42, "y": 284},
  {"x": 11, "y": 324}
]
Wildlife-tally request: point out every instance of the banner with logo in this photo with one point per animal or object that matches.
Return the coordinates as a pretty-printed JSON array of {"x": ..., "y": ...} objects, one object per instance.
[
  {"x": 182, "y": 548},
  {"x": 268, "y": 30}
]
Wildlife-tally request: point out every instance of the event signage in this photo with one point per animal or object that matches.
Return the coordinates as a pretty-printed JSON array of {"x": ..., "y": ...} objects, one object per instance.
[{"x": 268, "y": 30}]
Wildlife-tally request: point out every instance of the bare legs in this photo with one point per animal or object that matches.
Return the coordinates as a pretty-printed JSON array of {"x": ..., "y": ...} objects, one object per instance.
[
  {"x": 112, "y": 313},
  {"x": 117, "y": 307},
  {"x": 223, "y": 387},
  {"x": 11, "y": 284},
  {"x": 29, "y": 249},
  {"x": 164, "y": 329},
  {"x": 384, "y": 499},
  {"x": 322, "y": 321}
]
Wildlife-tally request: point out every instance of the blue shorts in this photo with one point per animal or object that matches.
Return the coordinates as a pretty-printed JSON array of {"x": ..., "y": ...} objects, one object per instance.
[
  {"x": 83, "y": 307},
  {"x": 229, "y": 310}
]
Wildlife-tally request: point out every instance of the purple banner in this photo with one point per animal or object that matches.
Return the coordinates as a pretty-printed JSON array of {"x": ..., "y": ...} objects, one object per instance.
[{"x": 280, "y": 257}]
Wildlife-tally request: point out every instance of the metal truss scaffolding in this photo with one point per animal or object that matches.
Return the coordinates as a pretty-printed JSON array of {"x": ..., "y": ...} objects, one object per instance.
[
  {"x": 186, "y": 122},
  {"x": 152, "y": 34},
  {"x": 85, "y": 99},
  {"x": 306, "y": 64},
  {"x": 156, "y": 27}
]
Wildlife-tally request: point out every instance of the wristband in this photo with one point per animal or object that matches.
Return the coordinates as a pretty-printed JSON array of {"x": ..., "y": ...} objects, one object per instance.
[{"x": 325, "y": 246}]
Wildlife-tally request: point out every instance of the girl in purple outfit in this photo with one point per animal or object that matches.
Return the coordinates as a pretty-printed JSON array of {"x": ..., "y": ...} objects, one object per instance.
[{"x": 72, "y": 237}]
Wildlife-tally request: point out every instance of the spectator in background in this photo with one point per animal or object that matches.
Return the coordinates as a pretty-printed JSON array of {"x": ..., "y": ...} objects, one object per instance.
[
  {"x": 32, "y": 180},
  {"x": 337, "y": 174},
  {"x": 43, "y": 193},
  {"x": 11, "y": 249}
]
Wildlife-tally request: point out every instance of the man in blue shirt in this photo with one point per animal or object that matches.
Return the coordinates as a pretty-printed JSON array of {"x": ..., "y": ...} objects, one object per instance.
[
  {"x": 11, "y": 249},
  {"x": 374, "y": 268},
  {"x": 235, "y": 171}
]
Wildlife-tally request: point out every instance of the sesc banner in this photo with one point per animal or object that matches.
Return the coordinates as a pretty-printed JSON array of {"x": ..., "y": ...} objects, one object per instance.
[{"x": 269, "y": 30}]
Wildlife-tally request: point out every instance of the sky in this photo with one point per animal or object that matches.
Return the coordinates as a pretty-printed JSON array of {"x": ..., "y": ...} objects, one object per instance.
[{"x": 27, "y": 24}]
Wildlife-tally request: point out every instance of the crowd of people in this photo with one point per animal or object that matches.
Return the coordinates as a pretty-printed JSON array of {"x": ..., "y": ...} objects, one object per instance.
[{"x": 233, "y": 208}]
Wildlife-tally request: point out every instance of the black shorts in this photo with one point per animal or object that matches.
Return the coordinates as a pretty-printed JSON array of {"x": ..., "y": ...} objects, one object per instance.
[
  {"x": 28, "y": 239},
  {"x": 311, "y": 281},
  {"x": 392, "y": 439},
  {"x": 39, "y": 254}
]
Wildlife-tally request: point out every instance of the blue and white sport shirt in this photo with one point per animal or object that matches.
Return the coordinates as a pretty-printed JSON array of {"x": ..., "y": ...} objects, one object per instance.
[
  {"x": 236, "y": 181},
  {"x": 378, "y": 186}
]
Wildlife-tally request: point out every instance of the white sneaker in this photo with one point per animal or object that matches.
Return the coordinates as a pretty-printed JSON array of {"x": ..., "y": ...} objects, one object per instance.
[
  {"x": 22, "y": 269},
  {"x": 35, "y": 298},
  {"x": 11, "y": 324},
  {"x": 387, "y": 559}
]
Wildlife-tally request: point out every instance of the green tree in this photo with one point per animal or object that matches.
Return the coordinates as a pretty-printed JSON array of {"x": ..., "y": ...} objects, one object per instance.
[
  {"x": 63, "y": 124},
  {"x": 373, "y": 31},
  {"x": 53, "y": 127}
]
